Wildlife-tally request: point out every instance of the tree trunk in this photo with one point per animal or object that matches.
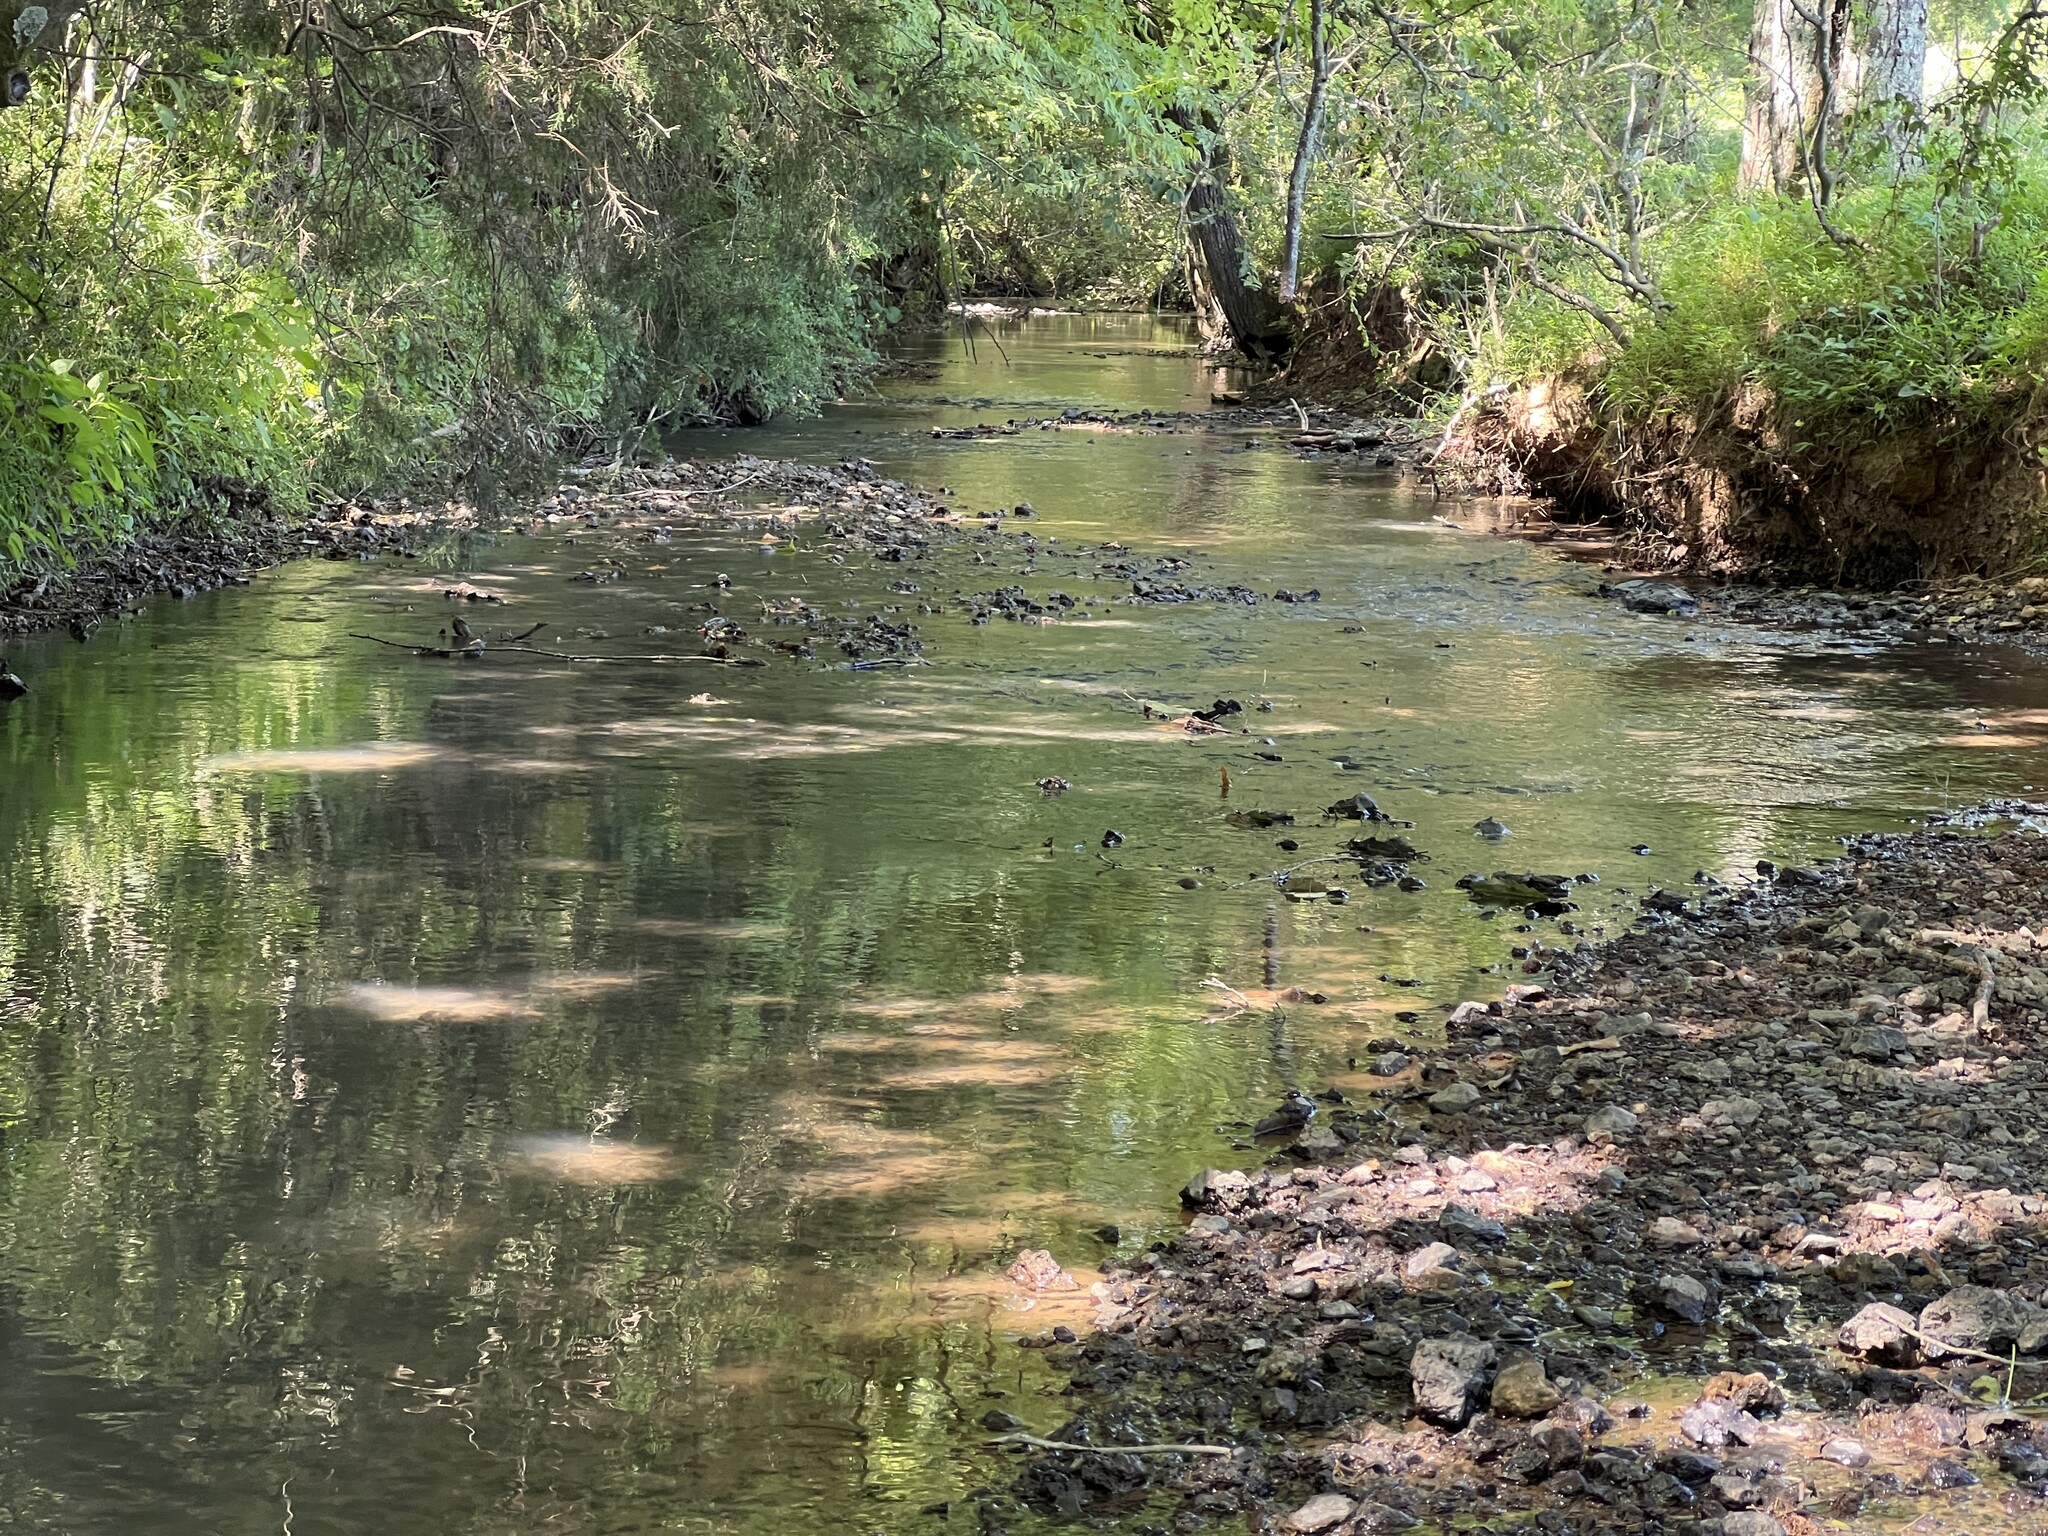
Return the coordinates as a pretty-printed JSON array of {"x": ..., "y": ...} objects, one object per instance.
[
  {"x": 1251, "y": 316},
  {"x": 1798, "y": 50},
  {"x": 23, "y": 38},
  {"x": 1894, "y": 80},
  {"x": 1305, "y": 146}
]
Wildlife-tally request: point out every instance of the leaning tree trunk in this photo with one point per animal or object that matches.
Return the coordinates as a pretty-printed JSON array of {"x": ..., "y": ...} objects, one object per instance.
[{"x": 1252, "y": 318}]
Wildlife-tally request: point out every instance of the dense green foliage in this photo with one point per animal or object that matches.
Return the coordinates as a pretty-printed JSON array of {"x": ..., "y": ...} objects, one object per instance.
[
  {"x": 303, "y": 247},
  {"x": 280, "y": 249}
]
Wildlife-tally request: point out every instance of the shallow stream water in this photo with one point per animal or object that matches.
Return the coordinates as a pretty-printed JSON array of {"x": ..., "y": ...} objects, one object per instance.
[{"x": 508, "y": 1097}]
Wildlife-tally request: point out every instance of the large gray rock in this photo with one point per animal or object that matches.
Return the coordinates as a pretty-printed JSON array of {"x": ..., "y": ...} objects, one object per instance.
[
  {"x": 1751, "y": 1522},
  {"x": 1714, "y": 1421},
  {"x": 1433, "y": 1268},
  {"x": 1450, "y": 1377},
  {"x": 1877, "y": 1042},
  {"x": 1654, "y": 597},
  {"x": 1454, "y": 1100},
  {"x": 1881, "y": 1334},
  {"x": 1681, "y": 1297},
  {"x": 1213, "y": 1187},
  {"x": 1612, "y": 1121},
  {"x": 1463, "y": 1221},
  {"x": 1971, "y": 1317}
]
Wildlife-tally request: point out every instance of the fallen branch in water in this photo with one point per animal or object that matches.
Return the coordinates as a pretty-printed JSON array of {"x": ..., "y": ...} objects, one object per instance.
[
  {"x": 716, "y": 661},
  {"x": 534, "y": 650},
  {"x": 1037, "y": 1444},
  {"x": 1225, "y": 987}
]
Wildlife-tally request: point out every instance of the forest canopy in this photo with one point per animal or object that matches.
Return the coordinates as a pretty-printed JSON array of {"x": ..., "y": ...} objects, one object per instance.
[{"x": 259, "y": 248}]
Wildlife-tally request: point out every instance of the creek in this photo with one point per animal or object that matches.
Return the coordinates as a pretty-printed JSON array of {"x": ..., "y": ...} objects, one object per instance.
[{"x": 511, "y": 1096}]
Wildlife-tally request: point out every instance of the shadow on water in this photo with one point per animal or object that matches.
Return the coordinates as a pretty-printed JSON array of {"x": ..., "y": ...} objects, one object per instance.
[{"x": 515, "y": 1096}]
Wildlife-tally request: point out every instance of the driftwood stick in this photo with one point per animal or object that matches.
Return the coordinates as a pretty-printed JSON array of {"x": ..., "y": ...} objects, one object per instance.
[{"x": 1036, "y": 1444}]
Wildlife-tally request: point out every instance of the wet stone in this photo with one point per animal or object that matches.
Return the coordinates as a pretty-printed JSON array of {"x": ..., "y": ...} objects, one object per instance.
[
  {"x": 1881, "y": 1334},
  {"x": 1320, "y": 1513},
  {"x": 1950, "y": 1473},
  {"x": 1449, "y": 1377},
  {"x": 1523, "y": 1391},
  {"x": 1715, "y": 1422},
  {"x": 1682, "y": 1297},
  {"x": 1845, "y": 1453},
  {"x": 1971, "y": 1317}
]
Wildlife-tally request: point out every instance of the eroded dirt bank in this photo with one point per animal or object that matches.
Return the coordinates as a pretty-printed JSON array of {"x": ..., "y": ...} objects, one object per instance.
[
  {"x": 1730, "y": 1225},
  {"x": 1739, "y": 487}
]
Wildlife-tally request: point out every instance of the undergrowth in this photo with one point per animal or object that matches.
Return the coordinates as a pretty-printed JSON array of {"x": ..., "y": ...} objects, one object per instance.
[{"x": 1897, "y": 327}]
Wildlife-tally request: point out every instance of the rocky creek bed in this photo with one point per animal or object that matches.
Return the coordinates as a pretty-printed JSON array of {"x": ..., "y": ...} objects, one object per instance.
[{"x": 1732, "y": 1225}]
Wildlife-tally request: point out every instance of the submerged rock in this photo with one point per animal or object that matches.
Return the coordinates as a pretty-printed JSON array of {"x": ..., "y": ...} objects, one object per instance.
[
  {"x": 1654, "y": 597},
  {"x": 1523, "y": 1391},
  {"x": 1359, "y": 807}
]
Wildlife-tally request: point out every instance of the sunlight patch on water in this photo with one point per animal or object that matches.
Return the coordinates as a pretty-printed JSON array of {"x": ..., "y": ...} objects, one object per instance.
[
  {"x": 393, "y": 1004},
  {"x": 572, "y": 1158},
  {"x": 366, "y": 757},
  {"x": 447, "y": 1005},
  {"x": 710, "y": 928},
  {"x": 867, "y": 1178}
]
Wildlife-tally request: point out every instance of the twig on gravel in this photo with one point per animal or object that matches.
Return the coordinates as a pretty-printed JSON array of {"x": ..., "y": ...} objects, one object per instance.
[
  {"x": 720, "y": 490},
  {"x": 1036, "y": 1444},
  {"x": 1974, "y": 962}
]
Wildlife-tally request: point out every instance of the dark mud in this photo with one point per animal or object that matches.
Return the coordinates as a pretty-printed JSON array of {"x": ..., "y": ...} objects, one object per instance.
[{"x": 1732, "y": 1224}]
